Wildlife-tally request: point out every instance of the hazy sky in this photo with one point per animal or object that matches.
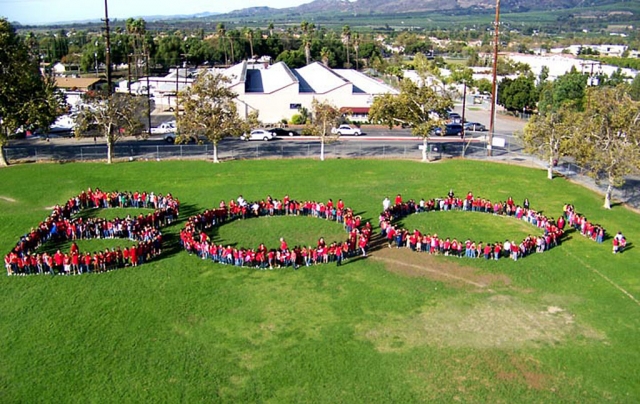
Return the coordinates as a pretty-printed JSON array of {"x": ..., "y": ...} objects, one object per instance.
[{"x": 45, "y": 11}]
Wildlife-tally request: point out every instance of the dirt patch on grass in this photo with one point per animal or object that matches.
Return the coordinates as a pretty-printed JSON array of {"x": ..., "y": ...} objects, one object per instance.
[
  {"x": 7, "y": 199},
  {"x": 522, "y": 369},
  {"x": 490, "y": 321},
  {"x": 404, "y": 262}
]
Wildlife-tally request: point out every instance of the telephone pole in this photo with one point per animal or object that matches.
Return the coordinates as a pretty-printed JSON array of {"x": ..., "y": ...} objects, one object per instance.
[
  {"x": 494, "y": 89},
  {"x": 108, "y": 45}
]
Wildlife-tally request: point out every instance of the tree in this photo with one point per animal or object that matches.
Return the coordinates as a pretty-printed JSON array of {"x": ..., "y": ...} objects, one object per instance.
[
  {"x": 607, "y": 141},
  {"x": 27, "y": 99},
  {"x": 326, "y": 55},
  {"x": 346, "y": 40},
  {"x": 568, "y": 88},
  {"x": 483, "y": 85},
  {"x": 461, "y": 74},
  {"x": 519, "y": 94},
  {"x": 294, "y": 59},
  {"x": 634, "y": 89},
  {"x": 137, "y": 30},
  {"x": 248, "y": 33},
  {"x": 112, "y": 116},
  {"x": 210, "y": 111},
  {"x": 544, "y": 75},
  {"x": 417, "y": 106},
  {"x": 325, "y": 117},
  {"x": 549, "y": 136},
  {"x": 356, "y": 47},
  {"x": 307, "y": 31},
  {"x": 222, "y": 33}
]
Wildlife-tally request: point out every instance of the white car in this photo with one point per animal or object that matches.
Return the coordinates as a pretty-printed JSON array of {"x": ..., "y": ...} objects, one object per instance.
[
  {"x": 343, "y": 130},
  {"x": 259, "y": 134}
]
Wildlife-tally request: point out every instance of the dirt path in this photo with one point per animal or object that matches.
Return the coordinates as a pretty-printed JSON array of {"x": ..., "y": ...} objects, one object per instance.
[{"x": 405, "y": 262}]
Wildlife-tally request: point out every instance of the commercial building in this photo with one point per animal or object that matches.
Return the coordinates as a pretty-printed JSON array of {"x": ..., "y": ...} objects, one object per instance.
[{"x": 278, "y": 92}]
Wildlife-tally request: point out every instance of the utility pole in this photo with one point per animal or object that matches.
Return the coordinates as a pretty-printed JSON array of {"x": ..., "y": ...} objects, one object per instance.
[
  {"x": 148, "y": 96},
  {"x": 177, "y": 78},
  {"x": 129, "y": 73},
  {"x": 464, "y": 109},
  {"x": 494, "y": 92},
  {"x": 108, "y": 43}
]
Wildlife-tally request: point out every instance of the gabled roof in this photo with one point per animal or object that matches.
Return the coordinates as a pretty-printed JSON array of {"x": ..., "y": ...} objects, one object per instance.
[
  {"x": 269, "y": 80},
  {"x": 76, "y": 82},
  {"x": 318, "y": 78},
  {"x": 363, "y": 84}
]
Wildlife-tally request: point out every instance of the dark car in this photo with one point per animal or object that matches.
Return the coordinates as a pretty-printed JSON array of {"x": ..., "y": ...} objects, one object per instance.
[
  {"x": 284, "y": 132},
  {"x": 450, "y": 129}
]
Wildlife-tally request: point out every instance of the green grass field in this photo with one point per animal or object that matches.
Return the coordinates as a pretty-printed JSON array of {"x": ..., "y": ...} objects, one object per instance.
[{"x": 562, "y": 326}]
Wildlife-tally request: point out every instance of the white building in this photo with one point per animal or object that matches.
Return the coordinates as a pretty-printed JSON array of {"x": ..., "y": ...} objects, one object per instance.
[
  {"x": 560, "y": 64},
  {"x": 278, "y": 92}
]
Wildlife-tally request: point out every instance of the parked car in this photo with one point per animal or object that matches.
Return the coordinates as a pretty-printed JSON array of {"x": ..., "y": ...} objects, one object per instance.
[
  {"x": 474, "y": 127},
  {"x": 284, "y": 132},
  {"x": 343, "y": 130},
  {"x": 259, "y": 134},
  {"x": 450, "y": 129},
  {"x": 455, "y": 117},
  {"x": 172, "y": 136},
  {"x": 165, "y": 127}
]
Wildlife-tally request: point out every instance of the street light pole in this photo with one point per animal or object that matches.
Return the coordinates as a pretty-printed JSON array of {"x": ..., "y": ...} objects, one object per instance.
[{"x": 494, "y": 92}]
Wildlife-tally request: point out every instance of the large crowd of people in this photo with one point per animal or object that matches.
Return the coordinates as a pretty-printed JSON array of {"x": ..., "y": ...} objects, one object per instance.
[
  {"x": 552, "y": 230},
  {"x": 195, "y": 240},
  {"x": 65, "y": 225}
]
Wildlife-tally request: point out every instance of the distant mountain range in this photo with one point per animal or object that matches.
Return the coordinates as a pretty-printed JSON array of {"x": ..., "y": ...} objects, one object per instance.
[
  {"x": 412, "y": 6},
  {"x": 372, "y": 7}
]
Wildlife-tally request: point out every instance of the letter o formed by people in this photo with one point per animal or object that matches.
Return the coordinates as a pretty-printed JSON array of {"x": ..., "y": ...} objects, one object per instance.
[{"x": 66, "y": 225}]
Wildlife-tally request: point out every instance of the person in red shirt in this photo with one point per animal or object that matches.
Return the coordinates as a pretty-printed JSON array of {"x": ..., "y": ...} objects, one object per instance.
[
  {"x": 487, "y": 251},
  {"x": 283, "y": 244},
  {"x": 133, "y": 256},
  {"x": 496, "y": 251}
]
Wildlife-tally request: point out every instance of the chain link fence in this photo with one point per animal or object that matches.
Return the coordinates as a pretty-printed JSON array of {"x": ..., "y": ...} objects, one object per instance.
[
  {"x": 410, "y": 150},
  {"x": 511, "y": 153}
]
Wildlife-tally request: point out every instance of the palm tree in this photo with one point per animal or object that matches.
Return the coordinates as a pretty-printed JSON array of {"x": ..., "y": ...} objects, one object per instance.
[
  {"x": 221, "y": 35},
  {"x": 307, "y": 31},
  {"x": 230, "y": 35},
  {"x": 325, "y": 54},
  {"x": 346, "y": 38},
  {"x": 270, "y": 28},
  {"x": 248, "y": 33},
  {"x": 356, "y": 46},
  {"x": 137, "y": 30}
]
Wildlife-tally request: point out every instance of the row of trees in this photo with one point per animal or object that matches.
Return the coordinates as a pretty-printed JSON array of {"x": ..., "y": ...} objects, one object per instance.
[
  {"x": 297, "y": 45},
  {"x": 526, "y": 92},
  {"x": 599, "y": 128}
]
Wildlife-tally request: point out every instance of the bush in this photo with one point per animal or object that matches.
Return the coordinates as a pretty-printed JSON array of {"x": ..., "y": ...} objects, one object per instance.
[{"x": 297, "y": 119}]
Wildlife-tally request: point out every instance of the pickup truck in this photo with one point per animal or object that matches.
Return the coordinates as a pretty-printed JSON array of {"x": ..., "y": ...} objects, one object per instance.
[
  {"x": 346, "y": 130},
  {"x": 166, "y": 127}
]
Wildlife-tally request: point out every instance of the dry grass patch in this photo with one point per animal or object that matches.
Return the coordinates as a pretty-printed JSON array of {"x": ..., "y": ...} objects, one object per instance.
[{"x": 493, "y": 321}]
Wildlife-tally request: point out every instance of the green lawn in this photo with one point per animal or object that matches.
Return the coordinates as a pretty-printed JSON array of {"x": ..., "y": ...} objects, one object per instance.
[{"x": 562, "y": 326}]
